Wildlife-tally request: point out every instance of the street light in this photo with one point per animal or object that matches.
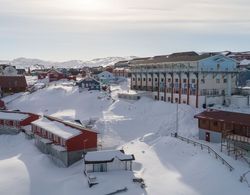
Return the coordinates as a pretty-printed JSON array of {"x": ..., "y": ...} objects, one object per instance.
[{"x": 177, "y": 119}]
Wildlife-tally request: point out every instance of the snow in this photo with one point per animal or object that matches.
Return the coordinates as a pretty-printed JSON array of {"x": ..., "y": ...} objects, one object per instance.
[
  {"x": 142, "y": 128},
  {"x": 245, "y": 62},
  {"x": 107, "y": 155},
  {"x": 41, "y": 64},
  {"x": 57, "y": 128},
  {"x": 13, "y": 116}
]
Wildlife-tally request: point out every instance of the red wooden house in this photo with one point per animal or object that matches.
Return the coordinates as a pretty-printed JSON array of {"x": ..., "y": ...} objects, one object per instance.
[
  {"x": 65, "y": 141},
  {"x": 12, "y": 84},
  {"x": 55, "y": 75},
  {"x": 12, "y": 122},
  {"x": 42, "y": 75}
]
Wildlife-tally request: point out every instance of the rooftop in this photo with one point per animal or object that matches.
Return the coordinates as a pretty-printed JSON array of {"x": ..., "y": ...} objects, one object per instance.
[
  {"x": 175, "y": 57},
  {"x": 13, "y": 116},
  {"x": 107, "y": 156},
  {"x": 57, "y": 128},
  {"x": 225, "y": 116}
]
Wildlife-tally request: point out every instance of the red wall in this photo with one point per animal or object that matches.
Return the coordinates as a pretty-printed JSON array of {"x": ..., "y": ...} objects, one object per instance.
[{"x": 77, "y": 143}]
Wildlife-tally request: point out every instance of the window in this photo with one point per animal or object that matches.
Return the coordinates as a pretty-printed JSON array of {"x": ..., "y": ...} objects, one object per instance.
[
  {"x": 218, "y": 66},
  {"x": 133, "y": 79},
  {"x": 149, "y": 79},
  {"x": 62, "y": 142},
  {"x": 169, "y": 99},
  {"x": 50, "y": 135},
  {"x": 215, "y": 123},
  {"x": 203, "y": 81},
  {"x": 225, "y": 80},
  {"x": 56, "y": 139},
  {"x": 162, "y": 80},
  {"x": 155, "y": 79},
  {"x": 162, "y": 98},
  {"x": 156, "y": 97},
  {"x": 217, "y": 80},
  {"x": 169, "y": 80},
  {"x": 176, "y": 80},
  {"x": 184, "y": 80},
  {"x": 176, "y": 100},
  {"x": 139, "y": 79},
  {"x": 193, "y": 80},
  {"x": 144, "y": 79},
  {"x": 43, "y": 132}
]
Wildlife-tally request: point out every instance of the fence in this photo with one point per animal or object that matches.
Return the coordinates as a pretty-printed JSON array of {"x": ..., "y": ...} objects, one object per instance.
[{"x": 203, "y": 146}]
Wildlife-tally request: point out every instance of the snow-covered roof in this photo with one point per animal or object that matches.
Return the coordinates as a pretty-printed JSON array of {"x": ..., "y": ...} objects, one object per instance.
[
  {"x": 245, "y": 62},
  {"x": 57, "y": 128},
  {"x": 13, "y": 116},
  {"x": 107, "y": 156}
]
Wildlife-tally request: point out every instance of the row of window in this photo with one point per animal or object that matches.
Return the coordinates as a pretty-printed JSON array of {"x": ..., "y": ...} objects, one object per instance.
[
  {"x": 176, "y": 100},
  {"x": 48, "y": 135},
  {"x": 192, "y": 90},
  {"x": 162, "y": 80},
  {"x": 177, "y": 80},
  {"x": 10, "y": 123}
]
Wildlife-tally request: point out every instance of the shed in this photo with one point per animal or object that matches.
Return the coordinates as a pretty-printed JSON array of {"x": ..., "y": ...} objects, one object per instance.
[{"x": 108, "y": 160}]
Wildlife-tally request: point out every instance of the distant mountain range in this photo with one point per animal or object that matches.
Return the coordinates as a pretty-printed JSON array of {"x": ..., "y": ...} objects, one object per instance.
[{"x": 38, "y": 64}]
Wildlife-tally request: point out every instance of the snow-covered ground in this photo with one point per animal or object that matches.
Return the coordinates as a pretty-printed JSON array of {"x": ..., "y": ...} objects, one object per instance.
[{"x": 168, "y": 165}]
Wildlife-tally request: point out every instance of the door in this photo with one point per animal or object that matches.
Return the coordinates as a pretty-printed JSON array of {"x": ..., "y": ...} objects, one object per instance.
[{"x": 207, "y": 137}]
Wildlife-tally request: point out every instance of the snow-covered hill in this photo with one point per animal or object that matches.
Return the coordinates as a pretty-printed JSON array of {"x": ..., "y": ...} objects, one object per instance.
[{"x": 37, "y": 63}]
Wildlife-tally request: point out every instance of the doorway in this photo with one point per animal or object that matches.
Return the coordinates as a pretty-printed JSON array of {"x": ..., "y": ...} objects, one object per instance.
[{"x": 207, "y": 136}]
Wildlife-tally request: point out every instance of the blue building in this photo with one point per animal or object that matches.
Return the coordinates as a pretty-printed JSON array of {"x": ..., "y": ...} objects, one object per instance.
[{"x": 89, "y": 83}]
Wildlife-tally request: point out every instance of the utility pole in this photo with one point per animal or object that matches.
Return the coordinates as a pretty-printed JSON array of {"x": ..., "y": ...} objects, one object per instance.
[{"x": 177, "y": 120}]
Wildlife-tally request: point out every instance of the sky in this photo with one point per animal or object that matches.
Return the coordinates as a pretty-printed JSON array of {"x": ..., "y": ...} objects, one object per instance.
[{"x": 85, "y": 29}]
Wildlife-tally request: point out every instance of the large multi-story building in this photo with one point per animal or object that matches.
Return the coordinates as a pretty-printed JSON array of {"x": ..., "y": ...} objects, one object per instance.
[{"x": 187, "y": 78}]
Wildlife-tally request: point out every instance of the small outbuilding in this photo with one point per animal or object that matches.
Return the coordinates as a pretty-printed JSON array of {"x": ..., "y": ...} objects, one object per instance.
[
  {"x": 64, "y": 141},
  {"x": 108, "y": 160}
]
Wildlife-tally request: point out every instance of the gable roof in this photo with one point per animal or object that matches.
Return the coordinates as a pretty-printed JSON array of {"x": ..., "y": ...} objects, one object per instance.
[
  {"x": 175, "y": 57},
  {"x": 13, "y": 82},
  {"x": 56, "y": 128},
  {"x": 107, "y": 156},
  {"x": 225, "y": 116},
  {"x": 88, "y": 79},
  {"x": 61, "y": 128}
]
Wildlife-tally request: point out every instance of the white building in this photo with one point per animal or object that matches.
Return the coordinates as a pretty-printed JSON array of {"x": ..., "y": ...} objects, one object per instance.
[
  {"x": 106, "y": 77},
  {"x": 107, "y": 160},
  {"x": 187, "y": 78}
]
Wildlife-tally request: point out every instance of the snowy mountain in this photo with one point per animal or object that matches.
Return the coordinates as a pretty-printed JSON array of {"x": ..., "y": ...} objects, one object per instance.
[{"x": 37, "y": 63}]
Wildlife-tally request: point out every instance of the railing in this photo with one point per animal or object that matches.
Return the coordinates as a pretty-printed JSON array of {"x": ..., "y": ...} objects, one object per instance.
[{"x": 203, "y": 146}]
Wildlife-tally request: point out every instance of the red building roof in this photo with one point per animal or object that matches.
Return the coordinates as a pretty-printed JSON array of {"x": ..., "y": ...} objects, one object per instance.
[{"x": 225, "y": 116}]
